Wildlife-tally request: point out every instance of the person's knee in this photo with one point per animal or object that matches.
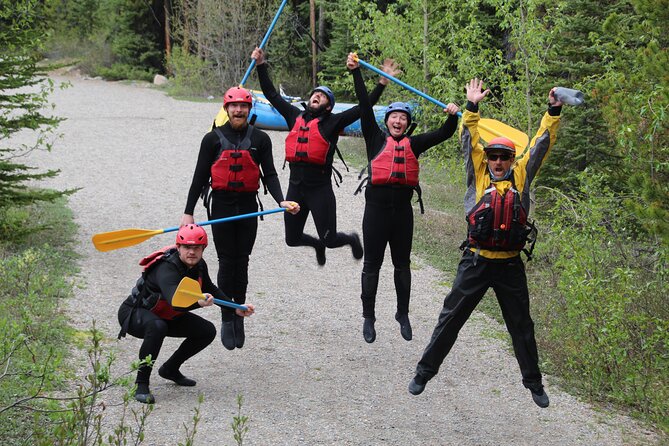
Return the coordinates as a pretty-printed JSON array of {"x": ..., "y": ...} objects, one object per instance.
[
  {"x": 156, "y": 328},
  {"x": 330, "y": 239},
  {"x": 371, "y": 267},
  {"x": 292, "y": 240},
  {"x": 209, "y": 332}
]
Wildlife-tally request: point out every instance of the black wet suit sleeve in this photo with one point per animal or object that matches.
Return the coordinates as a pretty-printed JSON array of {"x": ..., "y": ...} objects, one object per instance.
[
  {"x": 420, "y": 143},
  {"x": 202, "y": 170},
  {"x": 288, "y": 111},
  {"x": 266, "y": 162},
  {"x": 370, "y": 129}
]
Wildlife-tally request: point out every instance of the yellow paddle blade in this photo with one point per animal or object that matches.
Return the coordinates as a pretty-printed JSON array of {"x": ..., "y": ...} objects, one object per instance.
[
  {"x": 221, "y": 117},
  {"x": 491, "y": 128},
  {"x": 188, "y": 292},
  {"x": 108, "y": 241}
]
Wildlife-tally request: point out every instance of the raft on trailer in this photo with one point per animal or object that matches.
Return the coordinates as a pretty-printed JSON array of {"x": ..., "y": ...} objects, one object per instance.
[{"x": 268, "y": 118}]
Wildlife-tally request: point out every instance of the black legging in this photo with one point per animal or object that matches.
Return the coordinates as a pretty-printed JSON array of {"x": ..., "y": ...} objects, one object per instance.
[
  {"x": 473, "y": 279},
  {"x": 234, "y": 242},
  {"x": 382, "y": 225},
  {"x": 199, "y": 333},
  {"x": 320, "y": 201}
]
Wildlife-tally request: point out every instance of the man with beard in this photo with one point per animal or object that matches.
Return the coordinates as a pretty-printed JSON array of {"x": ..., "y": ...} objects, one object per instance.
[
  {"x": 310, "y": 148},
  {"x": 233, "y": 158}
]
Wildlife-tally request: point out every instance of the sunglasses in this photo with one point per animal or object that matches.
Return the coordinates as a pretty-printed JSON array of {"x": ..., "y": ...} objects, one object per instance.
[{"x": 500, "y": 157}]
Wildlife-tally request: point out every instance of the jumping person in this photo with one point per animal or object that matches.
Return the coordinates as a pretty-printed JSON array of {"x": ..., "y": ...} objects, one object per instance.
[
  {"x": 497, "y": 201},
  {"x": 310, "y": 148},
  {"x": 148, "y": 313},
  {"x": 393, "y": 177},
  {"x": 234, "y": 157}
]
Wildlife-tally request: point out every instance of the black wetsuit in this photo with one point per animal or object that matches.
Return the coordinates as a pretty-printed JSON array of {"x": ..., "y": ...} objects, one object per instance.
[
  {"x": 233, "y": 240},
  {"x": 388, "y": 217},
  {"x": 310, "y": 184},
  {"x": 161, "y": 281}
]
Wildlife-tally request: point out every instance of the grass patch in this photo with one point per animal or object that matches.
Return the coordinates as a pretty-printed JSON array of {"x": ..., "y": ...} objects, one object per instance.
[{"x": 34, "y": 272}]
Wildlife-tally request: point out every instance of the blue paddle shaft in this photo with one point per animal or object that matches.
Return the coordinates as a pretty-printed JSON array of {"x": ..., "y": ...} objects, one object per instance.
[
  {"x": 403, "y": 84},
  {"x": 233, "y": 218},
  {"x": 264, "y": 41},
  {"x": 225, "y": 303}
]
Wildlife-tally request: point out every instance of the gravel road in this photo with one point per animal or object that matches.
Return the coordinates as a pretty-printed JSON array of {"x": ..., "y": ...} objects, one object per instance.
[{"x": 306, "y": 375}]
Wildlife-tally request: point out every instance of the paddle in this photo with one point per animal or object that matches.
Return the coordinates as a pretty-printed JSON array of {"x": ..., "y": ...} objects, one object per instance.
[
  {"x": 108, "y": 241},
  {"x": 489, "y": 128},
  {"x": 222, "y": 116},
  {"x": 188, "y": 292}
]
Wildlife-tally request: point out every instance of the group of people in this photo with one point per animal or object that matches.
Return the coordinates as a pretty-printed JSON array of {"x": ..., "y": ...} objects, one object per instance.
[{"x": 236, "y": 158}]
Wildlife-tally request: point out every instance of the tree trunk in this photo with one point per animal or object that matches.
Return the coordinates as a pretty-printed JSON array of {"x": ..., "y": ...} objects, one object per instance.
[{"x": 312, "y": 27}]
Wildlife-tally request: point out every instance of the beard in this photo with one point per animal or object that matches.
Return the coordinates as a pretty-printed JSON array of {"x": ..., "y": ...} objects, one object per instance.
[
  {"x": 239, "y": 122},
  {"x": 317, "y": 111}
]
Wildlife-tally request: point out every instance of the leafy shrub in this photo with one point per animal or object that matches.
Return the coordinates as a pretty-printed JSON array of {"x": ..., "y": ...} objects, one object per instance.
[
  {"x": 192, "y": 75},
  {"x": 600, "y": 302}
]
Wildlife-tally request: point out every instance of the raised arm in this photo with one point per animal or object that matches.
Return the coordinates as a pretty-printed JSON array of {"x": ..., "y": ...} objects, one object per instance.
[
  {"x": 288, "y": 111},
  {"x": 367, "y": 119},
  {"x": 421, "y": 143}
]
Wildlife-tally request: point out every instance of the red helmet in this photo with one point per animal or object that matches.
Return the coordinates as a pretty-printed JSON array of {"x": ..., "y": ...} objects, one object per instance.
[
  {"x": 192, "y": 235},
  {"x": 237, "y": 94},
  {"x": 501, "y": 143}
]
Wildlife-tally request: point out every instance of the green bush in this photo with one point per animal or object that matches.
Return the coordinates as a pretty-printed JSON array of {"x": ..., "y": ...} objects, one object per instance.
[
  {"x": 120, "y": 71},
  {"x": 600, "y": 302},
  {"x": 191, "y": 75}
]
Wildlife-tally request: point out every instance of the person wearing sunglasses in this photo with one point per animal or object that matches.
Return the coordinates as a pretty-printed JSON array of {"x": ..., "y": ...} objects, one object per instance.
[{"x": 497, "y": 201}]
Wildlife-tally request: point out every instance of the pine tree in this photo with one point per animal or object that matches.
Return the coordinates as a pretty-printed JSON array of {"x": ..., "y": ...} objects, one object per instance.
[{"x": 23, "y": 94}]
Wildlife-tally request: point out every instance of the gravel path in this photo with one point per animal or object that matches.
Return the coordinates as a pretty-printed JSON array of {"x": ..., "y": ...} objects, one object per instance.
[{"x": 306, "y": 374}]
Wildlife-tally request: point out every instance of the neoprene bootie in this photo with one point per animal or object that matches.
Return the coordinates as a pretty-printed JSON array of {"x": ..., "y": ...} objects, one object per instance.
[
  {"x": 143, "y": 394},
  {"x": 176, "y": 376},
  {"x": 368, "y": 331},
  {"x": 405, "y": 325},
  {"x": 228, "y": 334},
  {"x": 540, "y": 398},
  {"x": 239, "y": 331}
]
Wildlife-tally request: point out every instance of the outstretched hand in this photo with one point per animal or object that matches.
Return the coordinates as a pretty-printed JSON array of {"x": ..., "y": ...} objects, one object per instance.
[
  {"x": 247, "y": 313},
  {"x": 186, "y": 219},
  {"x": 389, "y": 67},
  {"x": 208, "y": 300},
  {"x": 475, "y": 92},
  {"x": 258, "y": 55},
  {"x": 552, "y": 100},
  {"x": 352, "y": 61},
  {"x": 452, "y": 109},
  {"x": 291, "y": 207}
]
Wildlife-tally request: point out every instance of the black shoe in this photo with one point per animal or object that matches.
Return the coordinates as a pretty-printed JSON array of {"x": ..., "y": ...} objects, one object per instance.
[
  {"x": 144, "y": 395},
  {"x": 405, "y": 325},
  {"x": 320, "y": 254},
  {"x": 239, "y": 331},
  {"x": 356, "y": 246},
  {"x": 228, "y": 334},
  {"x": 368, "y": 331},
  {"x": 540, "y": 398},
  {"x": 176, "y": 376},
  {"x": 417, "y": 385}
]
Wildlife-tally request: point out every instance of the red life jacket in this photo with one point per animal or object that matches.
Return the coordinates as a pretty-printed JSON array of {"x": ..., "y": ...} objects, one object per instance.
[
  {"x": 498, "y": 222},
  {"x": 158, "y": 304},
  {"x": 305, "y": 143},
  {"x": 395, "y": 164},
  {"x": 234, "y": 168}
]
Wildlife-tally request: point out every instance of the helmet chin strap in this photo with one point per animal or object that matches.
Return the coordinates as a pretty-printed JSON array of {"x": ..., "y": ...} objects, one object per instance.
[{"x": 506, "y": 176}]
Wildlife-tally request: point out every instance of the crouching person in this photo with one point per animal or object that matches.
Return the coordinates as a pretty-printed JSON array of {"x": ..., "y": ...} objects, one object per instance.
[{"x": 148, "y": 313}]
